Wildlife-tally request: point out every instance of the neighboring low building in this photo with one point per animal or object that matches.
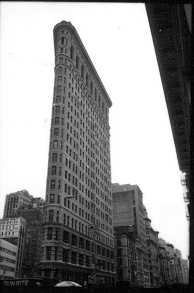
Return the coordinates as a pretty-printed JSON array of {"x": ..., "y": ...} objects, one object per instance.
[
  {"x": 125, "y": 255},
  {"x": 13, "y": 230},
  {"x": 15, "y": 200},
  {"x": 129, "y": 212},
  {"x": 8, "y": 259},
  {"x": 185, "y": 271},
  {"x": 33, "y": 214},
  {"x": 178, "y": 266},
  {"x": 152, "y": 245},
  {"x": 170, "y": 261},
  {"x": 163, "y": 263}
]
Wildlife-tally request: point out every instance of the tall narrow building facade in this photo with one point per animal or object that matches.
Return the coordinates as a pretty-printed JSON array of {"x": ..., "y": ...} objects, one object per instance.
[
  {"x": 78, "y": 231},
  {"x": 130, "y": 231}
]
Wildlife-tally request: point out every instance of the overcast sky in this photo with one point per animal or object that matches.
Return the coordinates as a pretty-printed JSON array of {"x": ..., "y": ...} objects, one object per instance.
[{"x": 118, "y": 40}]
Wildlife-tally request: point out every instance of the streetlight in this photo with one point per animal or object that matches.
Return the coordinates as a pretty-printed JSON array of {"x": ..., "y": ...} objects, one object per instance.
[{"x": 94, "y": 229}]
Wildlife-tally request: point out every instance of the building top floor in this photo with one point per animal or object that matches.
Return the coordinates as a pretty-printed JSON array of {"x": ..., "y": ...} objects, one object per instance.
[
  {"x": 20, "y": 194},
  {"x": 116, "y": 187},
  {"x": 65, "y": 33}
]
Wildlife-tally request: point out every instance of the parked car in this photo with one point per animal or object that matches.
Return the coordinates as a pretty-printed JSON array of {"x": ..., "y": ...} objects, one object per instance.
[{"x": 67, "y": 284}]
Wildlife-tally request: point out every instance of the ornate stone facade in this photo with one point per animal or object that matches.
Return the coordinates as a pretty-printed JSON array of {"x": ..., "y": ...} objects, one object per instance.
[{"x": 77, "y": 230}]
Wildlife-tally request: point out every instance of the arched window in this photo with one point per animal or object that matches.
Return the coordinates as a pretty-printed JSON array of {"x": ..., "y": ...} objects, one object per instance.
[{"x": 72, "y": 52}]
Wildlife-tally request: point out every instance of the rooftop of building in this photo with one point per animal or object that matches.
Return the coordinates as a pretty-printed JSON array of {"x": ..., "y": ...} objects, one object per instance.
[
  {"x": 69, "y": 25},
  {"x": 22, "y": 192},
  {"x": 116, "y": 187}
]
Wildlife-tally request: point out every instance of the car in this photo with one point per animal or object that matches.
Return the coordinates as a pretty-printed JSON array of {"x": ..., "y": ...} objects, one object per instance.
[{"x": 67, "y": 284}]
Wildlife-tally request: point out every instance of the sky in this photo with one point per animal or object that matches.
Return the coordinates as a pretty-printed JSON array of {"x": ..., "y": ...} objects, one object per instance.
[{"x": 118, "y": 40}]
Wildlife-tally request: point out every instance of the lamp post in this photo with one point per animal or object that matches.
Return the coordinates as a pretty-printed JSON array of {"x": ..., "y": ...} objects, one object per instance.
[{"x": 94, "y": 231}]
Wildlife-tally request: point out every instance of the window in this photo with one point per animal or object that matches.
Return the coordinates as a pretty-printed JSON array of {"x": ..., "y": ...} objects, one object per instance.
[
  {"x": 72, "y": 52},
  {"x": 72, "y": 221},
  {"x": 73, "y": 257},
  {"x": 56, "y": 252},
  {"x": 98, "y": 250},
  {"x": 56, "y": 234},
  {"x": 57, "y": 120},
  {"x": 60, "y": 62},
  {"x": 48, "y": 252},
  {"x": 87, "y": 260},
  {"x": 86, "y": 79},
  {"x": 51, "y": 215},
  {"x": 81, "y": 259},
  {"x": 59, "y": 184},
  {"x": 65, "y": 255},
  {"x": 82, "y": 71},
  {"x": 65, "y": 189},
  {"x": 134, "y": 212},
  {"x": 99, "y": 100},
  {"x": 91, "y": 87},
  {"x": 56, "y": 132},
  {"x": 66, "y": 236},
  {"x": 95, "y": 94},
  {"x": 74, "y": 240},
  {"x": 54, "y": 157},
  {"x": 52, "y": 198},
  {"x": 67, "y": 220},
  {"x": 77, "y": 62},
  {"x": 55, "y": 144},
  {"x": 53, "y": 170},
  {"x": 57, "y": 109},
  {"x": 52, "y": 186},
  {"x": 49, "y": 233},
  {"x": 81, "y": 242},
  {"x": 57, "y": 217},
  {"x": 61, "y": 158},
  {"x": 62, "y": 40}
]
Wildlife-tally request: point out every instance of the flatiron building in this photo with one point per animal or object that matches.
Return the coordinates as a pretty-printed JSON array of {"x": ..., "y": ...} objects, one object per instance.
[{"x": 78, "y": 241}]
